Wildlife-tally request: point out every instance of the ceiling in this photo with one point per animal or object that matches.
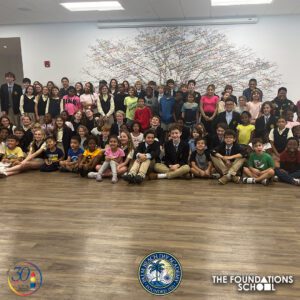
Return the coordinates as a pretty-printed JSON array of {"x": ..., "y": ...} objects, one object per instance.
[{"x": 49, "y": 11}]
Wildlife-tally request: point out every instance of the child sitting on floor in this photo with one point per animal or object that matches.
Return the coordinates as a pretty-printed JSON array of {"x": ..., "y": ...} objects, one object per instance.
[
  {"x": 90, "y": 158},
  {"x": 13, "y": 154},
  {"x": 113, "y": 156},
  {"x": 74, "y": 154},
  {"x": 201, "y": 165},
  {"x": 289, "y": 170},
  {"x": 146, "y": 152},
  {"x": 53, "y": 155},
  {"x": 228, "y": 158},
  {"x": 176, "y": 157},
  {"x": 260, "y": 165}
]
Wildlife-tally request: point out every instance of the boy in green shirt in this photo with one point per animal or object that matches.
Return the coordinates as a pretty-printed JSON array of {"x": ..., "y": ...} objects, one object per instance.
[{"x": 260, "y": 165}]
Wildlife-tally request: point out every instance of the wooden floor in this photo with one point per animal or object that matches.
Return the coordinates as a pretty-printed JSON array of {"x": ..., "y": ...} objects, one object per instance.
[{"x": 88, "y": 238}]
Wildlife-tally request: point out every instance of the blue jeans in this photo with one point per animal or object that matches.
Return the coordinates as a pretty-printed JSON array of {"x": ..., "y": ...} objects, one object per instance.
[{"x": 286, "y": 176}]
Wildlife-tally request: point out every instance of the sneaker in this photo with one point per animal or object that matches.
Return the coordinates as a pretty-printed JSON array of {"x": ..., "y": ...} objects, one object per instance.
[
  {"x": 248, "y": 180},
  {"x": 223, "y": 180},
  {"x": 215, "y": 176},
  {"x": 152, "y": 176},
  {"x": 114, "y": 179},
  {"x": 138, "y": 179},
  {"x": 296, "y": 181},
  {"x": 3, "y": 174},
  {"x": 63, "y": 170},
  {"x": 236, "y": 179},
  {"x": 129, "y": 178},
  {"x": 83, "y": 172},
  {"x": 275, "y": 178},
  {"x": 99, "y": 177},
  {"x": 265, "y": 182},
  {"x": 92, "y": 175}
]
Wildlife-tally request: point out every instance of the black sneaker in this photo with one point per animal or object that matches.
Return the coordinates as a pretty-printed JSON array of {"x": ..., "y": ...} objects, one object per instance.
[
  {"x": 83, "y": 173},
  {"x": 64, "y": 170},
  {"x": 129, "y": 178},
  {"x": 138, "y": 179}
]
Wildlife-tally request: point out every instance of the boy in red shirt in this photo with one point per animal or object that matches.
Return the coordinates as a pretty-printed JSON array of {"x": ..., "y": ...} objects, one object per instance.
[{"x": 143, "y": 114}]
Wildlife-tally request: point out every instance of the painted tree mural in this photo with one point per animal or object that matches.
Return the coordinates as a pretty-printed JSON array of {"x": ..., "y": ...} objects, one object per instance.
[{"x": 182, "y": 53}]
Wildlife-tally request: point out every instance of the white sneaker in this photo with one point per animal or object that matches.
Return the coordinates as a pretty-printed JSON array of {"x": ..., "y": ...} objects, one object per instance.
[
  {"x": 99, "y": 177},
  {"x": 114, "y": 179},
  {"x": 92, "y": 175},
  {"x": 3, "y": 174},
  {"x": 248, "y": 180}
]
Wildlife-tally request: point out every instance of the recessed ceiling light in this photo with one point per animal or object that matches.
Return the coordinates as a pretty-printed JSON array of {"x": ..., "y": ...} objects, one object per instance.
[
  {"x": 93, "y": 6},
  {"x": 5, "y": 47},
  {"x": 238, "y": 2}
]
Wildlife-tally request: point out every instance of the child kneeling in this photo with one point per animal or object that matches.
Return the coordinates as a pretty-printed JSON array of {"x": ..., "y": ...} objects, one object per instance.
[
  {"x": 260, "y": 165},
  {"x": 146, "y": 152}
]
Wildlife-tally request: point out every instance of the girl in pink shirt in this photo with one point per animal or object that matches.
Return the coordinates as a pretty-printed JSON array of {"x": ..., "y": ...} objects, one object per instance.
[
  {"x": 254, "y": 106},
  {"x": 113, "y": 156},
  {"x": 71, "y": 102},
  {"x": 209, "y": 107}
]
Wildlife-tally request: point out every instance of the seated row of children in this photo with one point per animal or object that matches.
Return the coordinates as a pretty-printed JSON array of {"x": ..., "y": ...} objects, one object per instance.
[{"x": 229, "y": 159}]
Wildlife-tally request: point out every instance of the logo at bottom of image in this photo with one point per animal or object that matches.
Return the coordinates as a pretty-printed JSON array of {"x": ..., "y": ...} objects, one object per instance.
[
  {"x": 24, "y": 278},
  {"x": 160, "y": 273},
  {"x": 254, "y": 283}
]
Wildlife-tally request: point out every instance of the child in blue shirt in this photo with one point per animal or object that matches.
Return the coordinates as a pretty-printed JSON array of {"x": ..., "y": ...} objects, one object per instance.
[
  {"x": 74, "y": 153},
  {"x": 53, "y": 155},
  {"x": 166, "y": 107}
]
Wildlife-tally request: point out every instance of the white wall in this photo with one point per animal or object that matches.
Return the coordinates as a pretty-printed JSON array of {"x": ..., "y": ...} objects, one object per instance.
[{"x": 66, "y": 46}]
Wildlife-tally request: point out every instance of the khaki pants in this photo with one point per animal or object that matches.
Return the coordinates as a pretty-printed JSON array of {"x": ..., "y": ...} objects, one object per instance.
[
  {"x": 14, "y": 118},
  {"x": 163, "y": 169},
  {"x": 223, "y": 169},
  {"x": 140, "y": 168}
]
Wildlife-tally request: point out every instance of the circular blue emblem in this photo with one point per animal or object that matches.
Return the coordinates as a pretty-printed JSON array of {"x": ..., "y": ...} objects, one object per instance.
[{"x": 160, "y": 273}]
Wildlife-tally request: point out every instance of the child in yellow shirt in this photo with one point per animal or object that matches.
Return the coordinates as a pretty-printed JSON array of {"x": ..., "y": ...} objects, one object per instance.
[
  {"x": 90, "y": 158},
  {"x": 246, "y": 129},
  {"x": 13, "y": 154}
]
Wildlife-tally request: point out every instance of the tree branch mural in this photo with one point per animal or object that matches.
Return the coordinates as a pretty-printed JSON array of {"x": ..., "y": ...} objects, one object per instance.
[{"x": 182, "y": 53}]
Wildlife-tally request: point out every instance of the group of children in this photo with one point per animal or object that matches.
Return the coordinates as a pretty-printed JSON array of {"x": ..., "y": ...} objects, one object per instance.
[{"x": 153, "y": 134}]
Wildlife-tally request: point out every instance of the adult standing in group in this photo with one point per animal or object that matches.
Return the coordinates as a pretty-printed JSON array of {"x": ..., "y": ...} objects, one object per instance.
[
  {"x": 10, "y": 94},
  {"x": 252, "y": 86},
  {"x": 281, "y": 103},
  {"x": 65, "y": 86}
]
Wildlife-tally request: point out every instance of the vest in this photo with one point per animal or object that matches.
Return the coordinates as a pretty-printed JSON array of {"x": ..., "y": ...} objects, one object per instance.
[
  {"x": 280, "y": 140},
  {"x": 54, "y": 107},
  {"x": 28, "y": 104},
  {"x": 42, "y": 106},
  {"x": 105, "y": 105}
]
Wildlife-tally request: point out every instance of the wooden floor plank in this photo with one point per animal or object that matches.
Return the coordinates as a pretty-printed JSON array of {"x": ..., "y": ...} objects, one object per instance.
[{"x": 88, "y": 238}]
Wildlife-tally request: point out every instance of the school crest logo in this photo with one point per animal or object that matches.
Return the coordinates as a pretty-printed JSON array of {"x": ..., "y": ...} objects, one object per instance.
[{"x": 160, "y": 273}]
